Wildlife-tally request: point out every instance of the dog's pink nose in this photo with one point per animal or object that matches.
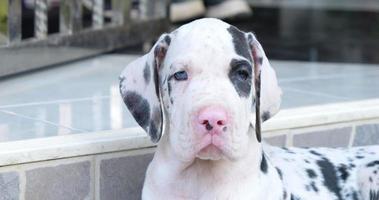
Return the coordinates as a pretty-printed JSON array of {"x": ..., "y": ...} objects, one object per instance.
[{"x": 212, "y": 120}]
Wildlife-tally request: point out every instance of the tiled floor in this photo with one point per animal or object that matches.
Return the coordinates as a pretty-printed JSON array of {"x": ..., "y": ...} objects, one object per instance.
[{"x": 83, "y": 96}]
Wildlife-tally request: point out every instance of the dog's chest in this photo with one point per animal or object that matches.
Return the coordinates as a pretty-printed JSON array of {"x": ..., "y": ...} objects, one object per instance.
[{"x": 321, "y": 173}]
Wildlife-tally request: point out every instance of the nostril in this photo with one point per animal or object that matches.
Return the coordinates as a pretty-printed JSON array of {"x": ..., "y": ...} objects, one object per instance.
[
  {"x": 205, "y": 122},
  {"x": 208, "y": 127},
  {"x": 220, "y": 122}
]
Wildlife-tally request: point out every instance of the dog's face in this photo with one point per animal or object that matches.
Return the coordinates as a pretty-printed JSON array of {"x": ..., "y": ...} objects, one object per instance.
[{"x": 202, "y": 80}]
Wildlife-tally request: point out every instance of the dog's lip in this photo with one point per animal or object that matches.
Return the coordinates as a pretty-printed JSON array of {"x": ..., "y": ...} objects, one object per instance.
[{"x": 209, "y": 141}]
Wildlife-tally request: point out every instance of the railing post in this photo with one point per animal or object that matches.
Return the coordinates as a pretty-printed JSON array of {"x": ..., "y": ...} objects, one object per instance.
[
  {"x": 70, "y": 16},
  {"x": 120, "y": 11},
  {"x": 12, "y": 27},
  {"x": 98, "y": 14},
  {"x": 40, "y": 22}
]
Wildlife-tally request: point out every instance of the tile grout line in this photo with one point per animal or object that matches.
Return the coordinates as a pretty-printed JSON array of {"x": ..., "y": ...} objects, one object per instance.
[
  {"x": 54, "y": 102},
  {"x": 316, "y": 93},
  {"x": 291, "y": 80},
  {"x": 43, "y": 121},
  {"x": 352, "y": 135}
]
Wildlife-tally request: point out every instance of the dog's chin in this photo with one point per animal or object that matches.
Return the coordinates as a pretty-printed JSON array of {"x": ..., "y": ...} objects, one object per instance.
[{"x": 210, "y": 152}]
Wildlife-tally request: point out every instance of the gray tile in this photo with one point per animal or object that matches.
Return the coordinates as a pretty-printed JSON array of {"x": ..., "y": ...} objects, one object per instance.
[
  {"x": 338, "y": 137},
  {"x": 74, "y": 98},
  {"x": 62, "y": 182},
  {"x": 9, "y": 186},
  {"x": 367, "y": 134},
  {"x": 122, "y": 178},
  {"x": 277, "y": 140}
]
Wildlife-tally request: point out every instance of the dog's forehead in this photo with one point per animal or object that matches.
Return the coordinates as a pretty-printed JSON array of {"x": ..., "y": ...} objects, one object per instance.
[{"x": 204, "y": 42}]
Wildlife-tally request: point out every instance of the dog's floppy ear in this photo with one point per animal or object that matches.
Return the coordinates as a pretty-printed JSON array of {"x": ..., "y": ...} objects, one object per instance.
[
  {"x": 267, "y": 91},
  {"x": 140, "y": 88}
]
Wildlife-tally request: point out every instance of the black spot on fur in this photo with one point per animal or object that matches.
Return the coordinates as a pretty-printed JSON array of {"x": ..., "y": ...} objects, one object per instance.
[
  {"x": 284, "y": 194},
  {"x": 260, "y": 60},
  {"x": 280, "y": 173},
  {"x": 156, "y": 81},
  {"x": 240, "y": 43},
  {"x": 167, "y": 39},
  {"x": 153, "y": 131},
  {"x": 330, "y": 177},
  {"x": 359, "y": 157},
  {"x": 311, "y": 173},
  {"x": 344, "y": 174},
  {"x": 373, "y": 163},
  {"x": 293, "y": 197},
  {"x": 355, "y": 195},
  {"x": 146, "y": 73},
  {"x": 169, "y": 88},
  {"x": 374, "y": 194},
  {"x": 287, "y": 150},
  {"x": 313, "y": 186},
  {"x": 240, "y": 75},
  {"x": 139, "y": 107},
  {"x": 257, "y": 82},
  {"x": 264, "y": 166},
  {"x": 156, "y": 125},
  {"x": 265, "y": 116},
  {"x": 315, "y": 153}
]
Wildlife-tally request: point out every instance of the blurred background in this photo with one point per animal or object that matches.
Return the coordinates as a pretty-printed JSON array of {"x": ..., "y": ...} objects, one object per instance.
[
  {"x": 59, "y": 94},
  {"x": 60, "y": 59}
]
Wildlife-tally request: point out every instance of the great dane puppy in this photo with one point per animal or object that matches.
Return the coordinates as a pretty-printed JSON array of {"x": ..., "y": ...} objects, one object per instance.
[{"x": 201, "y": 94}]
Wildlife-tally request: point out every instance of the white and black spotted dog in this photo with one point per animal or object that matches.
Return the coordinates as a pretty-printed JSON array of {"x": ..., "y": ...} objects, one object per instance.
[{"x": 197, "y": 94}]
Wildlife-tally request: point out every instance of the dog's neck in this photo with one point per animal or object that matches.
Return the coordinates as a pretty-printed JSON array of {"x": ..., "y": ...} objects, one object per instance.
[{"x": 207, "y": 179}]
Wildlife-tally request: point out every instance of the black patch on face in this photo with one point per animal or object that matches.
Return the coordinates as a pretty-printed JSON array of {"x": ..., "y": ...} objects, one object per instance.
[
  {"x": 373, "y": 163},
  {"x": 240, "y": 43},
  {"x": 265, "y": 116},
  {"x": 139, "y": 107},
  {"x": 311, "y": 173},
  {"x": 146, "y": 73},
  {"x": 264, "y": 166},
  {"x": 344, "y": 174},
  {"x": 240, "y": 75},
  {"x": 330, "y": 177}
]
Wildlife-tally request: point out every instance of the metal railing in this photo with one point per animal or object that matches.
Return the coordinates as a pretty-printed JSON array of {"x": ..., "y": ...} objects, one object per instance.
[{"x": 28, "y": 39}]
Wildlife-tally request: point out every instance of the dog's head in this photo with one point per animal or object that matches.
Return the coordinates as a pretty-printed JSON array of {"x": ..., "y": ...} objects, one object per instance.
[{"x": 203, "y": 86}]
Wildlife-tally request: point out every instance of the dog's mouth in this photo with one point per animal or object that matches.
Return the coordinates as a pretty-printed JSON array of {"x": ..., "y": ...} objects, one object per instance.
[
  {"x": 210, "y": 152},
  {"x": 210, "y": 148}
]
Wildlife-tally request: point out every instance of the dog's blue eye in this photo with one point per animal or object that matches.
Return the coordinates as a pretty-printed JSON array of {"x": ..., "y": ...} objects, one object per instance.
[
  {"x": 181, "y": 76},
  {"x": 243, "y": 74}
]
